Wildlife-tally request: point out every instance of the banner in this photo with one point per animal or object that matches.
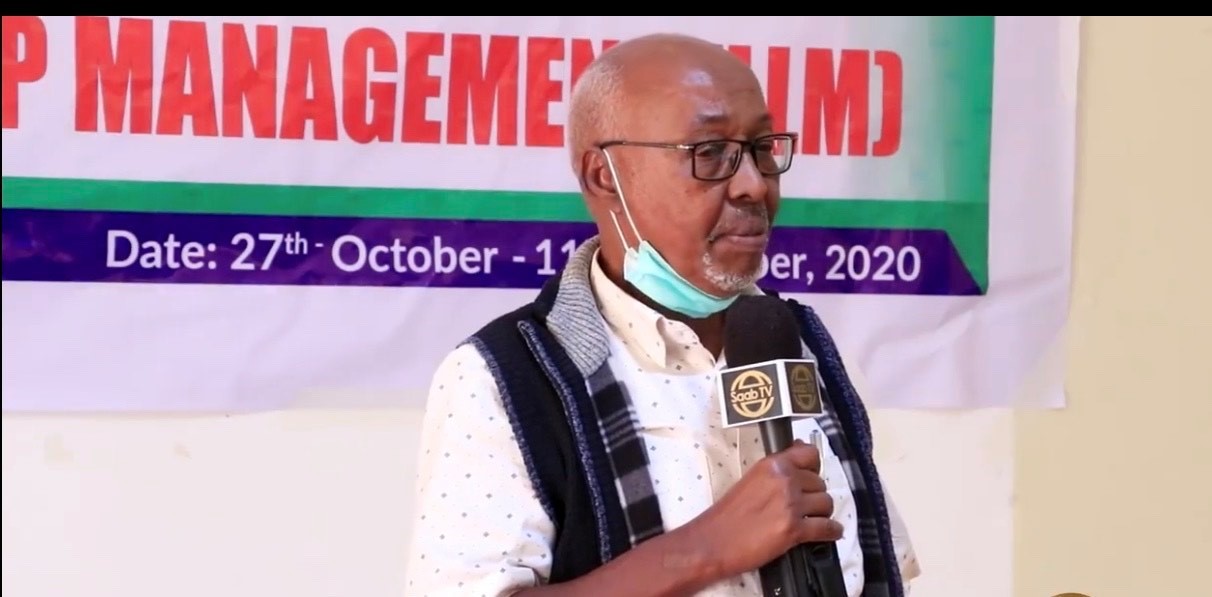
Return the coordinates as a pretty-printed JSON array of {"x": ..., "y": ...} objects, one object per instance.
[{"x": 233, "y": 213}]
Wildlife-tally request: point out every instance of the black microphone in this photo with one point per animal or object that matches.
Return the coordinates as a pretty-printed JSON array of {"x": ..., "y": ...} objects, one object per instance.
[{"x": 768, "y": 381}]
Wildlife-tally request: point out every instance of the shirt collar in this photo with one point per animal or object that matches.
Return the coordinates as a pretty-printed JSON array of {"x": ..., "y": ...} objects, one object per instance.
[{"x": 637, "y": 324}]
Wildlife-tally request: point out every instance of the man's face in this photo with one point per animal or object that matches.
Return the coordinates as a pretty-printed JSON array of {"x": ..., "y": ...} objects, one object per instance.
[{"x": 714, "y": 233}]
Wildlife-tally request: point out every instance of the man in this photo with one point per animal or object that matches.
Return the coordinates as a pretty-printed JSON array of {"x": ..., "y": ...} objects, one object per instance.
[{"x": 574, "y": 446}]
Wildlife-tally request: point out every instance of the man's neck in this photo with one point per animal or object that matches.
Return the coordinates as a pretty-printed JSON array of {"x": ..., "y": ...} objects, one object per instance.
[{"x": 710, "y": 330}]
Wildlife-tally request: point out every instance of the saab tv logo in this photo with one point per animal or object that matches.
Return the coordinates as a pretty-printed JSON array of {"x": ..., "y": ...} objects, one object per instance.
[
  {"x": 752, "y": 393},
  {"x": 805, "y": 394}
]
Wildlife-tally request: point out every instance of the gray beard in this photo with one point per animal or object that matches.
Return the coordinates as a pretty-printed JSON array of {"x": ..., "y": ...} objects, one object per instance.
[{"x": 728, "y": 281}]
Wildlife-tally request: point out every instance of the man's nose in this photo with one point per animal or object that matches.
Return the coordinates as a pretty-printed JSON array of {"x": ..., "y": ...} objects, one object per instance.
[{"x": 748, "y": 183}]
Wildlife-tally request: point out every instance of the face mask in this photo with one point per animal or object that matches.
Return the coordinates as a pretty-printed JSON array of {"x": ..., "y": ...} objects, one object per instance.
[{"x": 645, "y": 269}]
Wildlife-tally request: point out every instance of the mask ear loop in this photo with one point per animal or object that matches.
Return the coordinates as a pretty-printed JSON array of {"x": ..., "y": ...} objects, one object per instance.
[{"x": 614, "y": 175}]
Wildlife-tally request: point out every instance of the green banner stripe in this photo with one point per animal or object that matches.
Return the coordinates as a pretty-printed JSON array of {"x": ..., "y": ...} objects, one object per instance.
[
  {"x": 967, "y": 223},
  {"x": 182, "y": 197},
  {"x": 963, "y": 104}
]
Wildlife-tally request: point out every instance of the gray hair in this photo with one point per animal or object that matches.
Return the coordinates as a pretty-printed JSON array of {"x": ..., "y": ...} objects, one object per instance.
[{"x": 593, "y": 108}]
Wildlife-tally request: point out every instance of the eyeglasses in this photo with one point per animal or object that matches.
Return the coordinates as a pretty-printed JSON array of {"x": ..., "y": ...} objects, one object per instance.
[{"x": 719, "y": 159}]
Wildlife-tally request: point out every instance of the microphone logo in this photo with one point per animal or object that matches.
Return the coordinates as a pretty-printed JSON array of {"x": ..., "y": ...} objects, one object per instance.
[
  {"x": 804, "y": 392},
  {"x": 769, "y": 390},
  {"x": 752, "y": 394}
]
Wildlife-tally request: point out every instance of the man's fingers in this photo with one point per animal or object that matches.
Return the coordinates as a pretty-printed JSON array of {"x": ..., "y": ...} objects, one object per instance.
[
  {"x": 804, "y": 456},
  {"x": 818, "y": 528},
  {"x": 816, "y": 504},
  {"x": 809, "y": 481}
]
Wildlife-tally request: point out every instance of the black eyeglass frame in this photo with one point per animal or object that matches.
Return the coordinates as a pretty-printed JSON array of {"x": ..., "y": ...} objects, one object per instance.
[{"x": 747, "y": 146}]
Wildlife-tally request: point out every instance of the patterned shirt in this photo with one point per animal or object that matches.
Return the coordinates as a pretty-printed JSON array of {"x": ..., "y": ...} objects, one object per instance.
[{"x": 478, "y": 528}]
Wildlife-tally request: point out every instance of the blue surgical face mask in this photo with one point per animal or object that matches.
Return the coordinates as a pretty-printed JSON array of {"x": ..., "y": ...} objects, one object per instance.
[{"x": 649, "y": 272}]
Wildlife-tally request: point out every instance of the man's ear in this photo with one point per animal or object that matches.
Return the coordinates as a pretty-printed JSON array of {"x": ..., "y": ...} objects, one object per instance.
[{"x": 596, "y": 179}]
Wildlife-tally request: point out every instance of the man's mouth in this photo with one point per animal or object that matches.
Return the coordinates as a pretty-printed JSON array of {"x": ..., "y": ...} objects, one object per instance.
[
  {"x": 756, "y": 231},
  {"x": 749, "y": 237}
]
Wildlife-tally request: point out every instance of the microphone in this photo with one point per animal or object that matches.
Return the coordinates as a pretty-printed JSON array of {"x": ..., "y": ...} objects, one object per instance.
[{"x": 768, "y": 382}]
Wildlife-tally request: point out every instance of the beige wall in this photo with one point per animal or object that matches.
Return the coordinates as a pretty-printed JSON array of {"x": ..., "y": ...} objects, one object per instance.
[
  {"x": 1112, "y": 495},
  {"x": 316, "y": 504}
]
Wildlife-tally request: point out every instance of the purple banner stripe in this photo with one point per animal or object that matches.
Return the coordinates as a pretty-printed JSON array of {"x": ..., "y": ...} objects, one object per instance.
[{"x": 78, "y": 246}]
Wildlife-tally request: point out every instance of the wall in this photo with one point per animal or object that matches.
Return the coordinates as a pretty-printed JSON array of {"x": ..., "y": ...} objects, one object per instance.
[
  {"x": 316, "y": 503},
  {"x": 1112, "y": 496}
]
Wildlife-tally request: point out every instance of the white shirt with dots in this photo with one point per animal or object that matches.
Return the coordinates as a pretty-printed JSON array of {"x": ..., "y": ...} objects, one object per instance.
[{"x": 478, "y": 529}]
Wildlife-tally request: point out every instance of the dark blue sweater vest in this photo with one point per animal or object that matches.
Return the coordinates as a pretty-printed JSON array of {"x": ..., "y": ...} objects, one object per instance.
[{"x": 589, "y": 522}]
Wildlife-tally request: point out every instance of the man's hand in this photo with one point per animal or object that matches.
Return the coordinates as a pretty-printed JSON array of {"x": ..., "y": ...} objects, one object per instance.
[{"x": 779, "y": 503}]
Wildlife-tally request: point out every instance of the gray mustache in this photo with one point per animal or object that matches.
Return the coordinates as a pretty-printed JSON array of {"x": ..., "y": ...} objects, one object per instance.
[{"x": 755, "y": 219}]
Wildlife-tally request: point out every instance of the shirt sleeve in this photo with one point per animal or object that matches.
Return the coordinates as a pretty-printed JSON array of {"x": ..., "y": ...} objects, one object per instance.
[
  {"x": 901, "y": 543},
  {"x": 906, "y": 558},
  {"x": 478, "y": 527}
]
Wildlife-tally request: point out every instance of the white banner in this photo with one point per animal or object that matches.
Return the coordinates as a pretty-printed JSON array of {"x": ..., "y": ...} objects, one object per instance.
[{"x": 234, "y": 213}]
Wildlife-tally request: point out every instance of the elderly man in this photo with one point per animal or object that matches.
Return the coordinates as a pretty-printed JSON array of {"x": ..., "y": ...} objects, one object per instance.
[{"x": 574, "y": 446}]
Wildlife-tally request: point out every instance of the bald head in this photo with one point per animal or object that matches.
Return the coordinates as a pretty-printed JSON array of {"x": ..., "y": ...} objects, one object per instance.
[
  {"x": 672, "y": 109},
  {"x": 626, "y": 77}
]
